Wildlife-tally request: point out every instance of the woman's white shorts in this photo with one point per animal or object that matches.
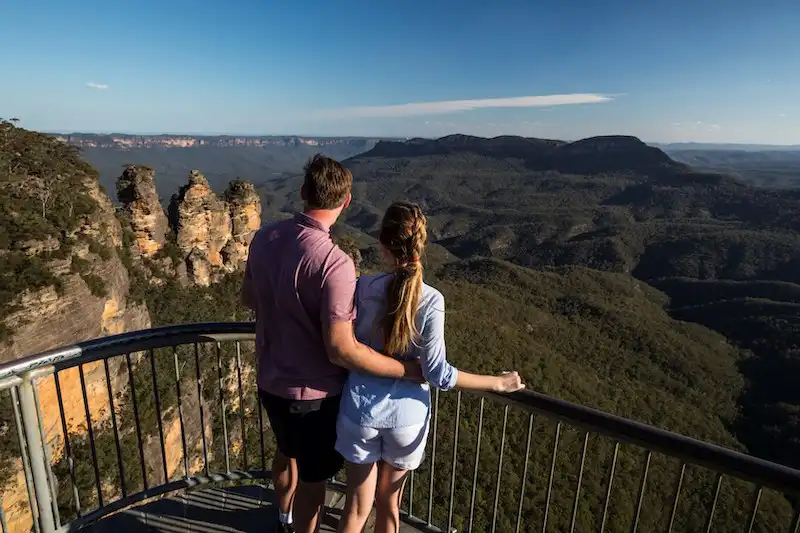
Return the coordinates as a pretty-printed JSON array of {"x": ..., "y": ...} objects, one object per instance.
[{"x": 400, "y": 447}]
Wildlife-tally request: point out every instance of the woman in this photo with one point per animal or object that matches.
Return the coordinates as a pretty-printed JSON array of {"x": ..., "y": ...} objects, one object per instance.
[{"x": 383, "y": 423}]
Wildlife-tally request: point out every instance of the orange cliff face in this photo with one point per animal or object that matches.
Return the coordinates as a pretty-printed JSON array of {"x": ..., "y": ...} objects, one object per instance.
[
  {"x": 15, "y": 496},
  {"x": 45, "y": 319}
]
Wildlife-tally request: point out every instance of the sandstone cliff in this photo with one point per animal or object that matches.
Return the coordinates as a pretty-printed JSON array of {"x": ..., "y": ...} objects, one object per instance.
[
  {"x": 62, "y": 281},
  {"x": 136, "y": 190},
  {"x": 89, "y": 294}
]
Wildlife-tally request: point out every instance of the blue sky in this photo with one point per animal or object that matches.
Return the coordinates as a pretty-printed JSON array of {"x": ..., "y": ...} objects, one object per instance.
[{"x": 678, "y": 70}]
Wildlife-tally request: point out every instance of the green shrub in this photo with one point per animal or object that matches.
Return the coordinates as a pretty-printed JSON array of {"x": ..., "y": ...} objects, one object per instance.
[
  {"x": 97, "y": 286},
  {"x": 80, "y": 265},
  {"x": 103, "y": 251}
]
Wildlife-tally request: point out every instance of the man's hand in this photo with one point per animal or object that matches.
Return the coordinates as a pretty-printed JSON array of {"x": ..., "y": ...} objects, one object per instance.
[{"x": 414, "y": 371}]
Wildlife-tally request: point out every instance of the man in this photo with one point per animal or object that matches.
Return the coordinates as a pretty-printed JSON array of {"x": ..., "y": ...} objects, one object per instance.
[{"x": 301, "y": 287}]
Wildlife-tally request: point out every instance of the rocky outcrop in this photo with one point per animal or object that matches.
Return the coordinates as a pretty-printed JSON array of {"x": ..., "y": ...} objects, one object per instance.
[
  {"x": 245, "y": 210},
  {"x": 199, "y": 268},
  {"x": 204, "y": 237},
  {"x": 201, "y": 219},
  {"x": 214, "y": 233},
  {"x": 92, "y": 300},
  {"x": 136, "y": 191}
]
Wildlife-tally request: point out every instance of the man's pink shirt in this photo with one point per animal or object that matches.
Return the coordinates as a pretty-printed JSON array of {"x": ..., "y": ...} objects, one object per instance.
[{"x": 298, "y": 281}]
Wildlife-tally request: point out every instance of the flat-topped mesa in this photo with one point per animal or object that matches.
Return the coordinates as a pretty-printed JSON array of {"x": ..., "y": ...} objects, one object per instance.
[
  {"x": 245, "y": 209},
  {"x": 136, "y": 191}
]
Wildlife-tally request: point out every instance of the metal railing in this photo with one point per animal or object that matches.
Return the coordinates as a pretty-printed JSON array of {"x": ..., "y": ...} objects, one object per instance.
[{"x": 146, "y": 417}]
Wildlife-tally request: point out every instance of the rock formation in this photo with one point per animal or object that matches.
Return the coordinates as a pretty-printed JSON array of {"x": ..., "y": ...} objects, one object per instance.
[
  {"x": 204, "y": 236},
  {"x": 245, "y": 210},
  {"x": 201, "y": 219},
  {"x": 93, "y": 298},
  {"x": 214, "y": 233},
  {"x": 136, "y": 191}
]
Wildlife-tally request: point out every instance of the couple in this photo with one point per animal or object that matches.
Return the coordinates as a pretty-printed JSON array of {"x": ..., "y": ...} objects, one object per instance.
[{"x": 330, "y": 393}]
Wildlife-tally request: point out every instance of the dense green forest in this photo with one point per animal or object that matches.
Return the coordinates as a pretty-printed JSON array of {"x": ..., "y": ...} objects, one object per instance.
[{"x": 644, "y": 289}]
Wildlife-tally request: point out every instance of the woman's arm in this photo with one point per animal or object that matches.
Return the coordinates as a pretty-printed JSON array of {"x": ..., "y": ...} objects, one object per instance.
[
  {"x": 505, "y": 382},
  {"x": 441, "y": 374}
]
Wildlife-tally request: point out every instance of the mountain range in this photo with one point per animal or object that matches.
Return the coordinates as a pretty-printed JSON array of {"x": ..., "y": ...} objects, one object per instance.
[{"x": 259, "y": 159}]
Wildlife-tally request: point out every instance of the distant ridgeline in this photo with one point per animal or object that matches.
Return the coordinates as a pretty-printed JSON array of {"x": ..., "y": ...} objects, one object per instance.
[{"x": 595, "y": 268}]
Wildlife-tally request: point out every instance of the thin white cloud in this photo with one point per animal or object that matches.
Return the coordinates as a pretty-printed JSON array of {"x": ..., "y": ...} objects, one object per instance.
[
  {"x": 782, "y": 115},
  {"x": 93, "y": 85},
  {"x": 454, "y": 106}
]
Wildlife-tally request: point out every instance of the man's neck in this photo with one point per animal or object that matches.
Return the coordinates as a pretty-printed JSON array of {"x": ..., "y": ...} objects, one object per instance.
[{"x": 326, "y": 217}]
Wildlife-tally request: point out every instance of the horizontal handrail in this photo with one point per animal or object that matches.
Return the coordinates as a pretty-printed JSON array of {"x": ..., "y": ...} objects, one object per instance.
[
  {"x": 134, "y": 341},
  {"x": 718, "y": 458},
  {"x": 689, "y": 450}
]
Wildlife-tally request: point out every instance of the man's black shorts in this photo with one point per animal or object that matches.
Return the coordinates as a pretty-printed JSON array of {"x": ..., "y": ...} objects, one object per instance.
[{"x": 305, "y": 430}]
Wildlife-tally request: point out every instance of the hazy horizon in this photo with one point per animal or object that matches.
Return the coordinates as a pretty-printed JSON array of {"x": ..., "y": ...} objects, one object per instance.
[{"x": 304, "y": 135}]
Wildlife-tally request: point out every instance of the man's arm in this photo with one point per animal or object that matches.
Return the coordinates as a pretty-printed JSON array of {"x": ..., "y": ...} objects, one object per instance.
[
  {"x": 345, "y": 350},
  {"x": 337, "y": 313}
]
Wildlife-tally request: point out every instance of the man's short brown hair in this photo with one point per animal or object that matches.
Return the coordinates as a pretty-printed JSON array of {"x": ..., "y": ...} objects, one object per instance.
[{"x": 327, "y": 183}]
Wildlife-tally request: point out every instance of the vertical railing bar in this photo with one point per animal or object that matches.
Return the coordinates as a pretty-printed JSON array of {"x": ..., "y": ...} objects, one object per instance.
[
  {"x": 552, "y": 475},
  {"x": 200, "y": 402},
  {"x": 261, "y": 418},
  {"x": 524, "y": 472},
  {"x": 48, "y": 461},
  {"x": 642, "y": 487},
  {"x": 180, "y": 411},
  {"x": 499, "y": 468},
  {"x": 411, "y": 494},
  {"x": 754, "y": 512},
  {"x": 135, "y": 405},
  {"x": 123, "y": 489},
  {"x": 67, "y": 448},
  {"x": 222, "y": 409},
  {"x": 475, "y": 471},
  {"x": 26, "y": 464},
  {"x": 578, "y": 486},
  {"x": 3, "y": 523},
  {"x": 90, "y": 431},
  {"x": 261, "y": 431},
  {"x": 678, "y": 487},
  {"x": 710, "y": 520},
  {"x": 453, "y": 470},
  {"x": 159, "y": 422},
  {"x": 241, "y": 404},
  {"x": 433, "y": 454},
  {"x": 608, "y": 489}
]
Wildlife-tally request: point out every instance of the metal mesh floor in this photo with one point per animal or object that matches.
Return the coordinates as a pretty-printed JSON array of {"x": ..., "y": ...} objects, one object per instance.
[{"x": 213, "y": 510}]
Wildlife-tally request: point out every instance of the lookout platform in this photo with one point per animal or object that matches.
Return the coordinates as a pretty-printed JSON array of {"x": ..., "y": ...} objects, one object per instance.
[{"x": 241, "y": 509}]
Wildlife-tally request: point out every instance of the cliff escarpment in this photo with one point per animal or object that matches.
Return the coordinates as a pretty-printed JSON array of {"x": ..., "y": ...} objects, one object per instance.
[
  {"x": 61, "y": 278},
  {"x": 73, "y": 267}
]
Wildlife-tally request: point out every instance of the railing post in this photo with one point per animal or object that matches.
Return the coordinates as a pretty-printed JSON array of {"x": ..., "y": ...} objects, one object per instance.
[{"x": 36, "y": 456}]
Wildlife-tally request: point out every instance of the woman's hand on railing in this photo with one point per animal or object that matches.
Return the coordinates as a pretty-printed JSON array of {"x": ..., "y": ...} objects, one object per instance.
[{"x": 508, "y": 382}]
